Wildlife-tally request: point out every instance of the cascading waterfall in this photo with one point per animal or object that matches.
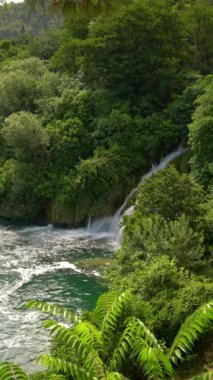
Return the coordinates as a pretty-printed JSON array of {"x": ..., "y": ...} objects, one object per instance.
[
  {"x": 40, "y": 262},
  {"x": 110, "y": 226}
]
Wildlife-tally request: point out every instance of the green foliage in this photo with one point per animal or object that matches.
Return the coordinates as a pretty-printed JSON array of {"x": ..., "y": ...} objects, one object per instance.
[
  {"x": 165, "y": 241},
  {"x": 73, "y": 9},
  {"x": 200, "y": 136},
  {"x": 198, "y": 17},
  {"x": 62, "y": 366},
  {"x": 68, "y": 142},
  {"x": 73, "y": 143},
  {"x": 194, "y": 326},
  {"x": 47, "y": 375},
  {"x": 170, "y": 194},
  {"x": 9, "y": 371},
  {"x": 173, "y": 304},
  {"x": 103, "y": 305},
  {"x": 44, "y": 46},
  {"x": 17, "y": 20},
  {"x": 112, "y": 317},
  {"x": 204, "y": 376},
  {"x": 25, "y": 136},
  {"x": 20, "y": 195},
  {"x": 120, "y": 50},
  {"x": 136, "y": 343},
  {"x": 23, "y": 82},
  {"x": 154, "y": 363},
  {"x": 165, "y": 291},
  {"x": 9, "y": 50},
  {"x": 45, "y": 307},
  {"x": 116, "y": 376},
  {"x": 150, "y": 237},
  {"x": 90, "y": 185},
  {"x": 86, "y": 340},
  {"x": 125, "y": 101},
  {"x": 93, "y": 356},
  {"x": 127, "y": 343}
]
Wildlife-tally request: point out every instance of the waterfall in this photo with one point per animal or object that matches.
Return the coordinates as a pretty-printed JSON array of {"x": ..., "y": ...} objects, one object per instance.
[{"x": 110, "y": 226}]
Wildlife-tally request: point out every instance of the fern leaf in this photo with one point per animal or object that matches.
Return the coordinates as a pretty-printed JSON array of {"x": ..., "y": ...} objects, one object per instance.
[
  {"x": 191, "y": 330},
  {"x": 204, "y": 376},
  {"x": 94, "y": 364},
  {"x": 103, "y": 305},
  {"x": 124, "y": 347},
  {"x": 85, "y": 347},
  {"x": 91, "y": 338},
  {"x": 10, "y": 371},
  {"x": 68, "y": 337},
  {"x": 90, "y": 335},
  {"x": 138, "y": 343},
  {"x": 116, "y": 376},
  {"x": 154, "y": 363},
  {"x": 54, "y": 310},
  {"x": 135, "y": 331},
  {"x": 142, "y": 331},
  {"x": 113, "y": 316},
  {"x": 67, "y": 368}
]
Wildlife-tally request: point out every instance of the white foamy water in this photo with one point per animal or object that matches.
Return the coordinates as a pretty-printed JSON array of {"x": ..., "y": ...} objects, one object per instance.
[
  {"x": 41, "y": 263},
  {"x": 110, "y": 226}
]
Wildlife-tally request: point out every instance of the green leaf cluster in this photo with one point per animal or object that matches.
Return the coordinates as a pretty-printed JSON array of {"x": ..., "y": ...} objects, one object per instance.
[
  {"x": 114, "y": 347},
  {"x": 165, "y": 253}
]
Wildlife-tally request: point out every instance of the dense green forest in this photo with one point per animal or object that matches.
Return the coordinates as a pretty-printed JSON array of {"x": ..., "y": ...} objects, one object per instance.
[
  {"x": 19, "y": 20},
  {"x": 85, "y": 110},
  {"x": 107, "y": 102}
]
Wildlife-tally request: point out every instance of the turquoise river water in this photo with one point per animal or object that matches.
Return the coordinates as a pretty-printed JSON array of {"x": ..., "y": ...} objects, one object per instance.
[{"x": 42, "y": 263}]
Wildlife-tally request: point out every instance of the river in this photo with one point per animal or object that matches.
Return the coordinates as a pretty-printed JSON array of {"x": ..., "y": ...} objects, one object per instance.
[{"x": 42, "y": 263}]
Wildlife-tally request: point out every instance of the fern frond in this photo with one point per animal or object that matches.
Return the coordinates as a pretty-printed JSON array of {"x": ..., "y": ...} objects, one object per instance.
[
  {"x": 142, "y": 331},
  {"x": 135, "y": 331},
  {"x": 90, "y": 347},
  {"x": 116, "y": 376},
  {"x": 123, "y": 349},
  {"x": 90, "y": 335},
  {"x": 154, "y": 363},
  {"x": 68, "y": 337},
  {"x": 103, "y": 305},
  {"x": 54, "y": 310},
  {"x": 91, "y": 338},
  {"x": 57, "y": 377},
  {"x": 85, "y": 347},
  {"x": 140, "y": 344},
  {"x": 192, "y": 329},
  {"x": 113, "y": 316},
  {"x": 67, "y": 368},
  {"x": 10, "y": 371},
  {"x": 204, "y": 376},
  {"x": 92, "y": 362}
]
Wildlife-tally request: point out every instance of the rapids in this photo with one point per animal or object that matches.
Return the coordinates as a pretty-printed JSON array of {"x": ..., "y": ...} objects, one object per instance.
[{"x": 42, "y": 263}]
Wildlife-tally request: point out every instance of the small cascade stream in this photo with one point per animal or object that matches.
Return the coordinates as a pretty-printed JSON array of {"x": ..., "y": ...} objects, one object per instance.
[{"x": 110, "y": 226}]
